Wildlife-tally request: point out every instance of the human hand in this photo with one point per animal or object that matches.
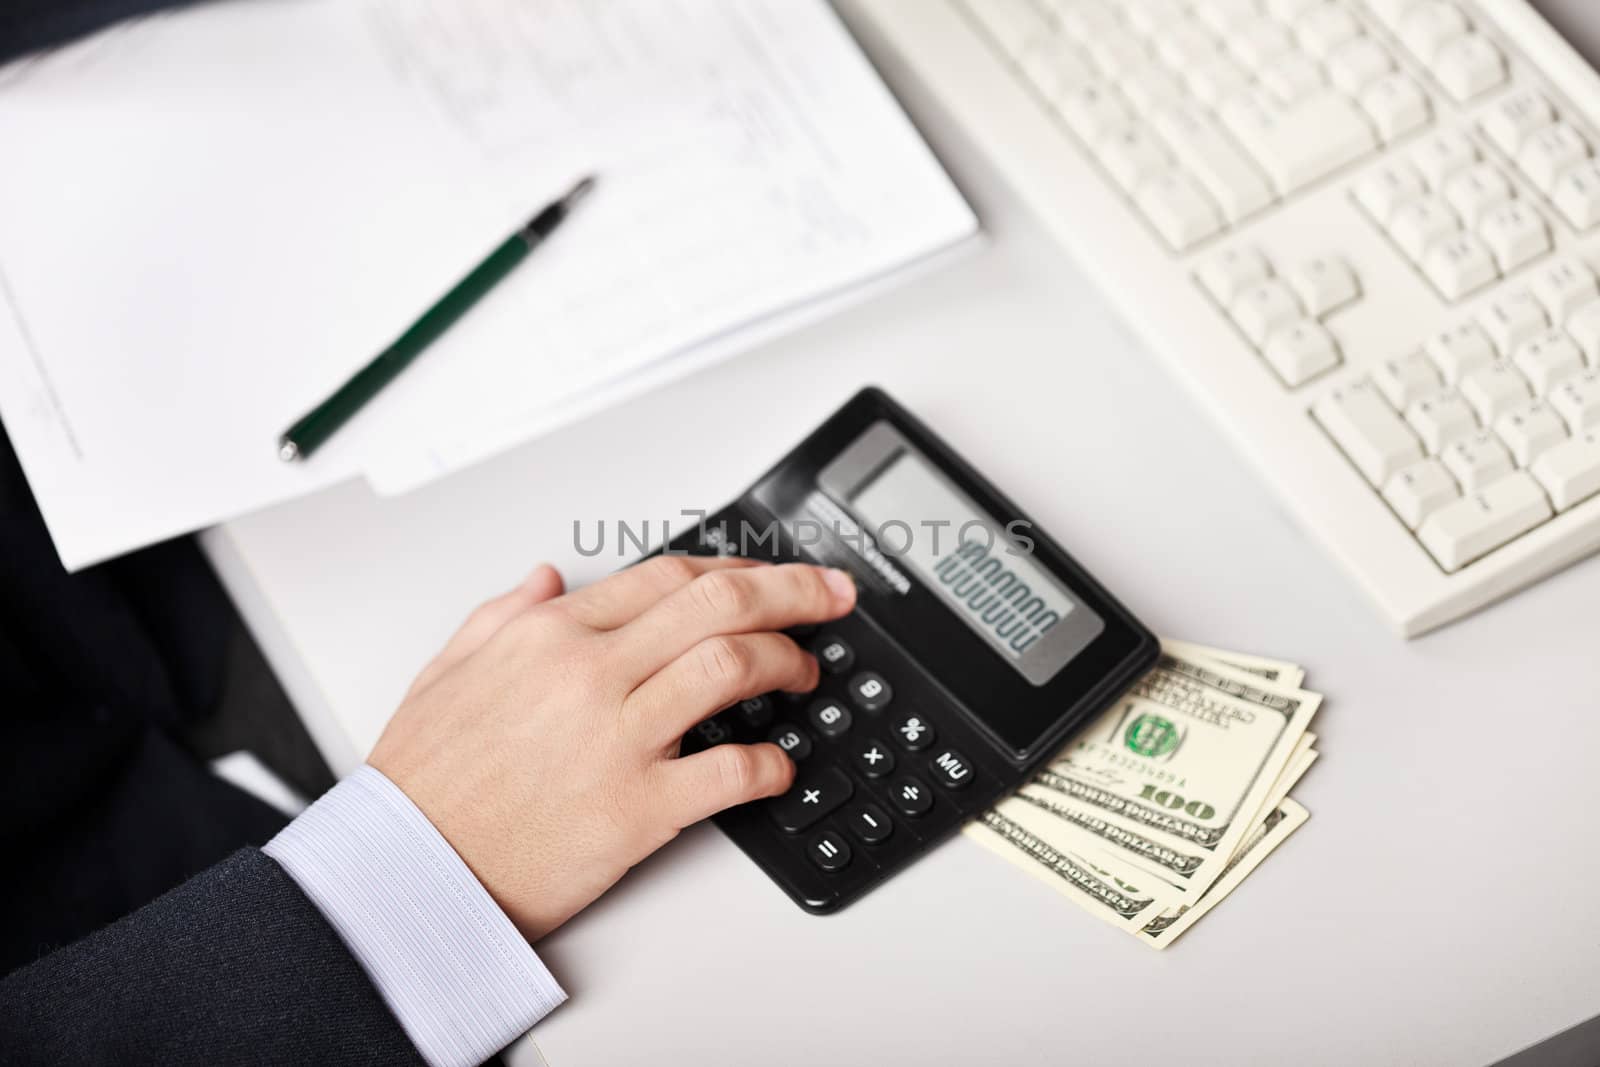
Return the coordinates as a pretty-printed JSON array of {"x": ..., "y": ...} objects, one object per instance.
[{"x": 543, "y": 741}]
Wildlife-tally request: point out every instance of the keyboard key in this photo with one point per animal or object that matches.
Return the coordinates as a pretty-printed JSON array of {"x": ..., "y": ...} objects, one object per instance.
[
  {"x": 1420, "y": 223},
  {"x": 1207, "y": 153},
  {"x": 1511, "y": 120},
  {"x": 1226, "y": 274},
  {"x": 1563, "y": 287},
  {"x": 1092, "y": 111},
  {"x": 829, "y": 718},
  {"x": 873, "y": 758},
  {"x": 1148, "y": 16},
  {"x": 1428, "y": 26},
  {"x": 1548, "y": 359},
  {"x": 1459, "y": 350},
  {"x": 1290, "y": 77},
  {"x": 1530, "y": 430},
  {"x": 1181, "y": 213},
  {"x": 1495, "y": 389},
  {"x": 813, "y": 795},
  {"x": 1441, "y": 418},
  {"x": 1301, "y": 351},
  {"x": 1300, "y": 142},
  {"x": 1214, "y": 79},
  {"x": 1391, "y": 185},
  {"x": 1289, "y": 10},
  {"x": 1583, "y": 326},
  {"x": 1133, "y": 155},
  {"x": 1549, "y": 153},
  {"x": 911, "y": 796},
  {"x": 1577, "y": 194},
  {"x": 829, "y": 851},
  {"x": 1150, "y": 86},
  {"x": 1255, "y": 42},
  {"x": 1324, "y": 28},
  {"x": 870, "y": 692},
  {"x": 1357, "y": 63},
  {"x": 1443, "y": 153},
  {"x": 913, "y": 733},
  {"x": 792, "y": 740},
  {"x": 834, "y": 654},
  {"x": 1418, "y": 490},
  {"x": 1511, "y": 319},
  {"x": 1515, "y": 233},
  {"x": 1012, "y": 23},
  {"x": 1115, "y": 50},
  {"x": 1361, "y": 422},
  {"x": 1473, "y": 191},
  {"x": 1468, "y": 66},
  {"x": 1477, "y": 461},
  {"x": 1577, "y": 401},
  {"x": 1184, "y": 43},
  {"x": 1476, "y": 524},
  {"x": 1390, "y": 12},
  {"x": 1570, "y": 471},
  {"x": 1406, "y": 378},
  {"x": 1263, "y": 308},
  {"x": 1323, "y": 283},
  {"x": 870, "y": 823},
  {"x": 1085, "y": 20},
  {"x": 951, "y": 769},
  {"x": 1459, "y": 264},
  {"x": 1055, "y": 66},
  {"x": 1395, "y": 105}
]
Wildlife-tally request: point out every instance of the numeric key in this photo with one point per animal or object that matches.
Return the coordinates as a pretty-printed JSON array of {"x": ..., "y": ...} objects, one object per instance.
[
  {"x": 870, "y": 692},
  {"x": 830, "y": 718},
  {"x": 834, "y": 654}
]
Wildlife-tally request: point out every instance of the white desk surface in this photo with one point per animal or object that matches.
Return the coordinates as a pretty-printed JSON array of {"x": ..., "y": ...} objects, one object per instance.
[{"x": 1437, "y": 909}]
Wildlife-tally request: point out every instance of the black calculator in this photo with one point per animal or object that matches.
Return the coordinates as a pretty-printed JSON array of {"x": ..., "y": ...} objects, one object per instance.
[{"x": 977, "y": 645}]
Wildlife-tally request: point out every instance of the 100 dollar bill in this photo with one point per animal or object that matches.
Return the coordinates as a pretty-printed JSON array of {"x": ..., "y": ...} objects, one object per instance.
[{"x": 1173, "y": 775}]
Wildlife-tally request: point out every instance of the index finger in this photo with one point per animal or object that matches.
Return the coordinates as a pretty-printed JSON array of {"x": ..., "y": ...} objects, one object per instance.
[
  {"x": 620, "y": 598},
  {"x": 746, "y": 600}
]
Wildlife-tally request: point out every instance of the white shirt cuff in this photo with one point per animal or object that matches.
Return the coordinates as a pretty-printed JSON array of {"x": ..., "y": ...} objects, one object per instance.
[{"x": 451, "y": 966}]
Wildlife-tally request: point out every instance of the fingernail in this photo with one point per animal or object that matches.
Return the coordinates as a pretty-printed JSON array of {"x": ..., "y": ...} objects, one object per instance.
[{"x": 840, "y": 584}]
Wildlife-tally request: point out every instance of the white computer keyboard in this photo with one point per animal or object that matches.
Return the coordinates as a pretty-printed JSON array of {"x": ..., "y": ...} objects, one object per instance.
[{"x": 1364, "y": 232}]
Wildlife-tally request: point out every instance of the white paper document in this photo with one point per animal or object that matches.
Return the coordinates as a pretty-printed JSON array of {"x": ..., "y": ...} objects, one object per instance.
[{"x": 210, "y": 219}]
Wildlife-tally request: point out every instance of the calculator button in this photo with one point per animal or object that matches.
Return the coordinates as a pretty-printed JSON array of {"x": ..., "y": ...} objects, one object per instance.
[
  {"x": 913, "y": 732},
  {"x": 951, "y": 769},
  {"x": 911, "y": 796},
  {"x": 830, "y": 718},
  {"x": 712, "y": 732},
  {"x": 756, "y": 712},
  {"x": 870, "y": 823},
  {"x": 810, "y": 798},
  {"x": 830, "y": 851},
  {"x": 792, "y": 740},
  {"x": 870, "y": 692},
  {"x": 874, "y": 759},
  {"x": 833, "y": 655}
]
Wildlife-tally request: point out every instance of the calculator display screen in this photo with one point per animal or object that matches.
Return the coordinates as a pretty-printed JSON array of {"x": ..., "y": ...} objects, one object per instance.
[
  {"x": 912, "y": 515},
  {"x": 963, "y": 556}
]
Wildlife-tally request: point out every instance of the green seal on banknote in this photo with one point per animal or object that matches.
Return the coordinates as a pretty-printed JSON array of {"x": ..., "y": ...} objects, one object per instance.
[{"x": 1151, "y": 735}]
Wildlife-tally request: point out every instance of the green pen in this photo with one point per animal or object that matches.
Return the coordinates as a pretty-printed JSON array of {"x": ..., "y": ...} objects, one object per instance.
[{"x": 308, "y": 434}]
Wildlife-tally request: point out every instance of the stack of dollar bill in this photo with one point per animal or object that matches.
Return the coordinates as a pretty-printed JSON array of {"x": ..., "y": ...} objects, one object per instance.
[{"x": 1160, "y": 808}]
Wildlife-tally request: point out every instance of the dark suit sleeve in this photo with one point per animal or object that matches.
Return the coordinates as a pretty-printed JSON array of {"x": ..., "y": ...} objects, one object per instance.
[{"x": 233, "y": 966}]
